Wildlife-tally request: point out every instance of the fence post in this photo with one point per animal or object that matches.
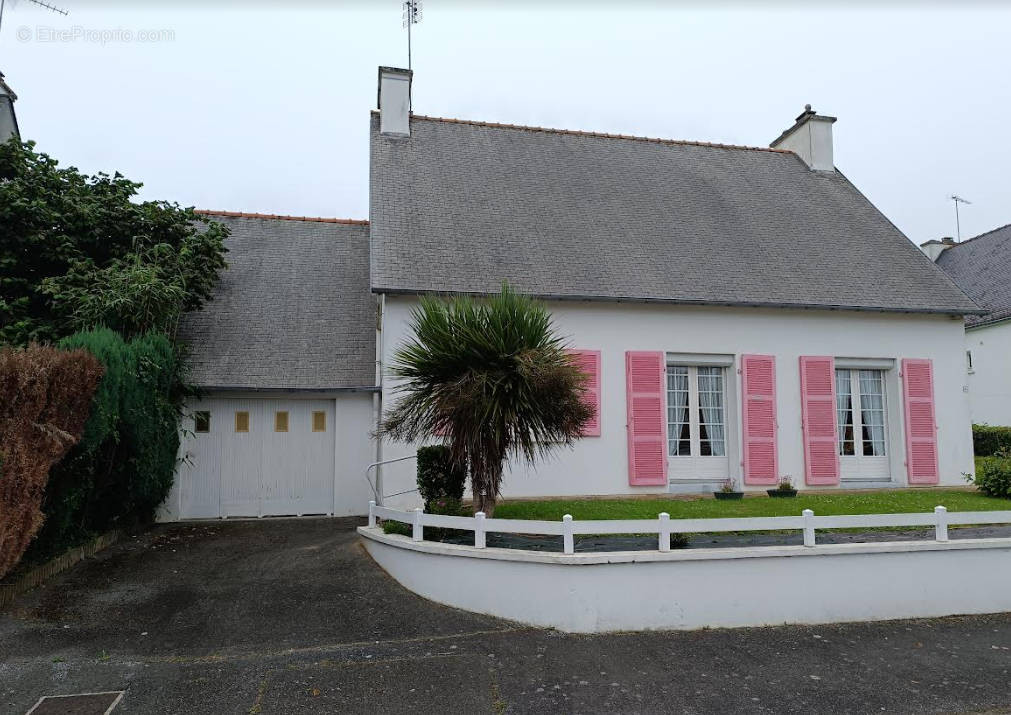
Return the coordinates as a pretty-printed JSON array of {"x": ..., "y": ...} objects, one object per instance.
[
  {"x": 941, "y": 529},
  {"x": 479, "y": 530},
  {"x": 568, "y": 543},
  {"x": 808, "y": 527},
  {"x": 419, "y": 531},
  {"x": 664, "y": 531},
  {"x": 372, "y": 513}
]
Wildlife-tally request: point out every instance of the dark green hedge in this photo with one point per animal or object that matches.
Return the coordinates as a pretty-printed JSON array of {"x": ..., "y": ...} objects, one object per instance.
[
  {"x": 988, "y": 440},
  {"x": 123, "y": 467},
  {"x": 993, "y": 478},
  {"x": 439, "y": 478}
]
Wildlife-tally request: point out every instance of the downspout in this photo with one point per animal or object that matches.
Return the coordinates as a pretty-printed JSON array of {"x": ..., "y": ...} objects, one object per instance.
[{"x": 377, "y": 399}]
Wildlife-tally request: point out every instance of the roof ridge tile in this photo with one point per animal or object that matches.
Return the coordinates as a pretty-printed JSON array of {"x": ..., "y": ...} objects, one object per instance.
[
  {"x": 282, "y": 217},
  {"x": 597, "y": 135}
]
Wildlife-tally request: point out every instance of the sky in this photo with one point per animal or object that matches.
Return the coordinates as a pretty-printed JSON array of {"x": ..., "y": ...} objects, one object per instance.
[{"x": 266, "y": 108}]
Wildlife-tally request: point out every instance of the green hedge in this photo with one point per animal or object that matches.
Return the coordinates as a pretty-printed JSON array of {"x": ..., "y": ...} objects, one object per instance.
[
  {"x": 993, "y": 477},
  {"x": 123, "y": 467},
  {"x": 987, "y": 440},
  {"x": 439, "y": 477}
]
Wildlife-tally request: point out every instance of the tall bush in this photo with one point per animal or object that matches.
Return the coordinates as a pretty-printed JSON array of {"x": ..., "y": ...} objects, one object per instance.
[
  {"x": 440, "y": 477},
  {"x": 45, "y": 395},
  {"x": 122, "y": 469},
  {"x": 988, "y": 440}
]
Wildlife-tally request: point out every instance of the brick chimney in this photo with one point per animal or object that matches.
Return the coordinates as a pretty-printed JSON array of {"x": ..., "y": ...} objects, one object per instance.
[
  {"x": 934, "y": 248},
  {"x": 395, "y": 101}
]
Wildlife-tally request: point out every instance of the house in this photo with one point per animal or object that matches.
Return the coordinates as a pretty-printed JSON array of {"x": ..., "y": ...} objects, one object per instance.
[
  {"x": 981, "y": 267},
  {"x": 744, "y": 313}
]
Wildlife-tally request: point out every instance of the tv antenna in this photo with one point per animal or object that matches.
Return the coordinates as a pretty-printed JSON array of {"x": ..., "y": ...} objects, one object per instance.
[
  {"x": 958, "y": 200},
  {"x": 412, "y": 16},
  {"x": 40, "y": 3}
]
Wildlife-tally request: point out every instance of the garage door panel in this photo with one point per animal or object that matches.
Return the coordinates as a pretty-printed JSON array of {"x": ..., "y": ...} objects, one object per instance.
[{"x": 262, "y": 472}]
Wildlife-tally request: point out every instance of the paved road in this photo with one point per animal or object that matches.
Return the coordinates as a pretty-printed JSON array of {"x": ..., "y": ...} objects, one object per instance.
[{"x": 291, "y": 616}]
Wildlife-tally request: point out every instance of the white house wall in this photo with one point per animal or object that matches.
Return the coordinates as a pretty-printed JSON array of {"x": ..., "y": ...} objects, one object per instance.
[
  {"x": 599, "y": 465},
  {"x": 990, "y": 378}
]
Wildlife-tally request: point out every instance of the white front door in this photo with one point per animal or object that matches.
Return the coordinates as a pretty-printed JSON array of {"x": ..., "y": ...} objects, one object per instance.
[
  {"x": 861, "y": 414},
  {"x": 697, "y": 423}
]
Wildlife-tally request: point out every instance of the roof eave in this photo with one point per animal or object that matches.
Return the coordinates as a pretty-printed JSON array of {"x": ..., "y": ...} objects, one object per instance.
[{"x": 681, "y": 301}]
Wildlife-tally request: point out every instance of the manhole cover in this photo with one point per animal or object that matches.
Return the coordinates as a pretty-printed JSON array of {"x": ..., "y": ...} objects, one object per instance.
[{"x": 82, "y": 704}]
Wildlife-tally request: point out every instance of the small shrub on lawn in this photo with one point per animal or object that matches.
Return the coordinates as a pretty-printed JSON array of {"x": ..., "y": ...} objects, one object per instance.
[
  {"x": 397, "y": 527},
  {"x": 994, "y": 478},
  {"x": 440, "y": 478},
  {"x": 988, "y": 440}
]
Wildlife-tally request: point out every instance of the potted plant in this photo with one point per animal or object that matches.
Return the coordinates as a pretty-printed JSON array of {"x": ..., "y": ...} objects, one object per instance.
[
  {"x": 728, "y": 490},
  {"x": 784, "y": 489}
]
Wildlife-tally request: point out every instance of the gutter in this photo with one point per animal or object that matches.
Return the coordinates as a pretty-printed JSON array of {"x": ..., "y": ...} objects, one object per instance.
[{"x": 681, "y": 301}]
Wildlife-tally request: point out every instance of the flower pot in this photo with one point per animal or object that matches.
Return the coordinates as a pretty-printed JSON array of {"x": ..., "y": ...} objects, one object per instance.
[
  {"x": 781, "y": 493},
  {"x": 726, "y": 496}
]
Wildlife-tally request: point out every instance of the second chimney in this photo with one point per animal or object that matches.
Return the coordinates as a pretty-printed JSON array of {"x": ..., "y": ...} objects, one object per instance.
[
  {"x": 810, "y": 138},
  {"x": 395, "y": 101}
]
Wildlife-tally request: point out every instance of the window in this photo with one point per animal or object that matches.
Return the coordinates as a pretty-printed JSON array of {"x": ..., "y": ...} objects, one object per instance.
[
  {"x": 696, "y": 417},
  {"x": 319, "y": 421},
  {"x": 202, "y": 421},
  {"x": 860, "y": 411},
  {"x": 241, "y": 421},
  {"x": 281, "y": 421}
]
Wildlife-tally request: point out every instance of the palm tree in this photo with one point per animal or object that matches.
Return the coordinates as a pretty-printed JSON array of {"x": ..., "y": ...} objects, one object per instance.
[{"x": 492, "y": 378}]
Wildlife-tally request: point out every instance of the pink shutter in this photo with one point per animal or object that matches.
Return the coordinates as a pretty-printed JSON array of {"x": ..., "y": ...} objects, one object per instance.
[
  {"x": 647, "y": 433},
  {"x": 758, "y": 382},
  {"x": 589, "y": 362},
  {"x": 818, "y": 410},
  {"x": 921, "y": 429}
]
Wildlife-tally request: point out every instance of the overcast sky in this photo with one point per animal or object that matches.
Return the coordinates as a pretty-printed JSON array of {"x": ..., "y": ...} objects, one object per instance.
[{"x": 266, "y": 110}]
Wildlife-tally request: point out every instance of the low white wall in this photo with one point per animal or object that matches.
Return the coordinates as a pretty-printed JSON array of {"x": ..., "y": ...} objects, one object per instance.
[
  {"x": 680, "y": 590},
  {"x": 990, "y": 379}
]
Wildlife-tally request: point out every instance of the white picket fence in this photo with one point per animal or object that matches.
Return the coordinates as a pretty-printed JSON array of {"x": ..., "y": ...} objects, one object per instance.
[{"x": 664, "y": 526}]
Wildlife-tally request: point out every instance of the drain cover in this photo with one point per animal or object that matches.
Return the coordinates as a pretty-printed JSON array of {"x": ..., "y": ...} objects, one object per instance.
[{"x": 81, "y": 704}]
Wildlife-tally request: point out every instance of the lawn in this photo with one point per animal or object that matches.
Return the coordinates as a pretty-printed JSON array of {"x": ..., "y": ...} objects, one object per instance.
[{"x": 705, "y": 507}]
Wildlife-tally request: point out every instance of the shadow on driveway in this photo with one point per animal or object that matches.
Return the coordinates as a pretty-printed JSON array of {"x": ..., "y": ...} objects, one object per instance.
[{"x": 292, "y": 616}]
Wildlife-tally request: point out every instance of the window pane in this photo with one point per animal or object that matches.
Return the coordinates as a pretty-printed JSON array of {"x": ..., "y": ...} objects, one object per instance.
[
  {"x": 241, "y": 421},
  {"x": 202, "y": 421},
  {"x": 280, "y": 421},
  {"x": 711, "y": 414},
  {"x": 319, "y": 421},
  {"x": 844, "y": 411},
  {"x": 678, "y": 434},
  {"x": 872, "y": 412}
]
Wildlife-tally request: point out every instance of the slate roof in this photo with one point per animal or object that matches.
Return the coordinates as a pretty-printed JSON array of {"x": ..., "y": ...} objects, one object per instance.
[
  {"x": 461, "y": 206},
  {"x": 981, "y": 266},
  {"x": 293, "y": 311}
]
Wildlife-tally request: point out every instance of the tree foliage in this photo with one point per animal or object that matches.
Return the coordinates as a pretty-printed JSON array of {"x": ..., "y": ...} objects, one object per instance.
[
  {"x": 45, "y": 394},
  {"x": 123, "y": 466},
  {"x": 79, "y": 251},
  {"x": 494, "y": 377}
]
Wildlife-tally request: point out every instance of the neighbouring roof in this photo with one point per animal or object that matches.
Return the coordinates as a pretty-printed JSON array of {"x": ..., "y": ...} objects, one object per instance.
[
  {"x": 293, "y": 311},
  {"x": 462, "y": 206},
  {"x": 981, "y": 266}
]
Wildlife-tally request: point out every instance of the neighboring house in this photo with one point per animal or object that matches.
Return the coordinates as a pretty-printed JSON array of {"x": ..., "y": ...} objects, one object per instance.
[
  {"x": 744, "y": 313},
  {"x": 981, "y": 267}
]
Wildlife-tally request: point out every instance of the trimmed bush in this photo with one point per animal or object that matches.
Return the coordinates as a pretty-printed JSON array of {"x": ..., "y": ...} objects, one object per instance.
[
  {"x": 994, "y": 478},
  {"x": 123, "y": 467},
  {"x": 439, "y": 477},
  {"x": 988, "y": 440},
  {"x": 45, "y": 395}
]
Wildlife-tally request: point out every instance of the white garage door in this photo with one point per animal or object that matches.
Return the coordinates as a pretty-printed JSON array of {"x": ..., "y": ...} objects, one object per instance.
[{"x": 258, "y": 457}]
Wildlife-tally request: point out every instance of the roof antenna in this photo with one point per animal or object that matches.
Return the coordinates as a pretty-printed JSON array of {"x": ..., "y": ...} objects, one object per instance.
[
  {"x": 958, "y": 227},
  {"x": 412, "y": 16},
  {"x": 40, "y": 3}
]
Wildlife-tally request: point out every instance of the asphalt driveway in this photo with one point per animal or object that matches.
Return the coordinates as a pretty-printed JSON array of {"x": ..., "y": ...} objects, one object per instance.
[{"x": 292, "y": 616}]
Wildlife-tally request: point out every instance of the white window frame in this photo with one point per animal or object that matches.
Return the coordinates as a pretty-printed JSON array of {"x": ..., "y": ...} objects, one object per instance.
[
  {"x": 858, "y": 466},
  {"x": 695, "y": 467}
]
